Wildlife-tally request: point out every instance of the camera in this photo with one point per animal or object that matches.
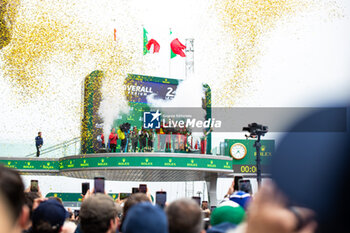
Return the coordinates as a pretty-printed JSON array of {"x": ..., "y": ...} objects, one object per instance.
[
  {"x": 125, "y": 127},
  {"x": 256, "y": 129}
]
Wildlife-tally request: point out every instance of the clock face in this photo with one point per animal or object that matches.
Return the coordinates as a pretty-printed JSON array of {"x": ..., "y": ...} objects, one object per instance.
[{"x": 238, "y": 151}]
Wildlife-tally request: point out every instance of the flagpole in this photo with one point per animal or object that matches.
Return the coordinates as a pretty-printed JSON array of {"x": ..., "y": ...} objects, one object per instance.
[
  {"x": 170, "y": 54},
  {"x": 142, "y": 32}
]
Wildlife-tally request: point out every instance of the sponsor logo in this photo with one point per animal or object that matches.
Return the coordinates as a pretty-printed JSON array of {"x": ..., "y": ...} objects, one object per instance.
[
  {"x": 123, "y": 163},
  {"x": 170, "y": 163},
  {"x": 192, "y": 123},
  {"x": 146, "y": 163},
  {"x": 227, "y": 165},
  {"x": 211, "y": 164},
  {"x": 151, "y": 120},
  {"x": 102, "y": 163},
  {"x": 192, "y": 164}
]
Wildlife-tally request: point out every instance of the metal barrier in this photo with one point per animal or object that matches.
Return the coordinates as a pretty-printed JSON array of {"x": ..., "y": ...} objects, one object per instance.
[{"x": 71, "y": 146}]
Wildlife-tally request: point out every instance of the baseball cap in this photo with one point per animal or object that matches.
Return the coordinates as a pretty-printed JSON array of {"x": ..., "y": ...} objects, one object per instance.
[
  {"x": 50, "y": 211},
  {"x": 242, "y": 198},
  {"x": 145, "y": 218},
  {"x": 228, "y": 211}
]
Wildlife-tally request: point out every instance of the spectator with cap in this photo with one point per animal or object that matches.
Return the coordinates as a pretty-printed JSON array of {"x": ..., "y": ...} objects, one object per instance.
[
  {"x": 145, "y": 218},
  {"x": 226, "y": 216},
  {"x": 185, "y": 216},
  {"x": 241, "y": 197},
  {"x": 131, "y": 201},
  {"x": 268, "y": 213},
  {"x": 99, "y": 214},
  {"x": 49, "y": 217}
]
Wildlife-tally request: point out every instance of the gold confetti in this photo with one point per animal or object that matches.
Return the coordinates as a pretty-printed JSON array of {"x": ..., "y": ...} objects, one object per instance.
[
  {"x": 38, "y": 39},
  {"x": 248, "y": 21},
  {"x": 7, "y": 15},
  {"x": 48, "y": 48},
  {"x": 51, "y": 51}
]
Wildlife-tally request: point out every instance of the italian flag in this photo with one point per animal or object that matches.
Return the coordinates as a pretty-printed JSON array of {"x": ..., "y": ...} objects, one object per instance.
[
  {"x": 176, "y": 47},
  {"x": 147, "y": 44}
]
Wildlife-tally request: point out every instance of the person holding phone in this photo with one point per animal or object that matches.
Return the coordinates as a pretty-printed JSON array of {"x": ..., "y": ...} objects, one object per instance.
[
  {"x": 99, "y": 213},
  {"x": 134, "y": 199},
  {"x": 240, "y": 197}
]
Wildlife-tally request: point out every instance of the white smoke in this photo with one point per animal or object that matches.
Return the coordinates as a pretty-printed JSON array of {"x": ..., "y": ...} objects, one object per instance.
[
  {"x": 189, "y": 94},
  {"x": 109, "y": 111}
]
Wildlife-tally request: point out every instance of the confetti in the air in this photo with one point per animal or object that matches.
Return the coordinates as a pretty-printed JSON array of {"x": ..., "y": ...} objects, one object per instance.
[
  {"x": 47, "y": 48},
  {"x": 248, "y": 22}
]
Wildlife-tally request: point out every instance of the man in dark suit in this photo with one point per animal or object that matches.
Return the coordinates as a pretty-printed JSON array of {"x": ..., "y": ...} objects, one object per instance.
[{"x": 38, "y": 143}]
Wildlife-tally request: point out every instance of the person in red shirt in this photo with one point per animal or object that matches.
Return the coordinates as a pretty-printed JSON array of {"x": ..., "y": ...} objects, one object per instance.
[
  {"x": 103, "y": 140},
  {"x": 113, "y": 140}
]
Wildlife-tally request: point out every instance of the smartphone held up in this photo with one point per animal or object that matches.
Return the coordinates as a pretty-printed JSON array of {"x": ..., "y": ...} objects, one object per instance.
[
  {"x": 99, "y": 184},
  {"x": 143, "y": 188},
  {"x": 34, "y": 186},
  {"x": 161, "y": 198},
  {"x": 84, "y": 188}
]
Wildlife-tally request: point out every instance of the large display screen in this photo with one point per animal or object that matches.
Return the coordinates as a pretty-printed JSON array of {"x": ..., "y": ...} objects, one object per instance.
[{"x": 136, "y": 91}]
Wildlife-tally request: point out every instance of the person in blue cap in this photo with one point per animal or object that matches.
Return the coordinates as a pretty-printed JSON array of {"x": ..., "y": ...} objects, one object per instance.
[
  {"x": 145, "y": 218},
  {"x": 242, "y": 198},
  {"x": 49, "y": 217}
]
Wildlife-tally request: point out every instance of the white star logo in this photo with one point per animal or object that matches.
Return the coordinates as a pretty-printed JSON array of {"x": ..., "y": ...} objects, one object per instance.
[{"x": 155, "y": 116}]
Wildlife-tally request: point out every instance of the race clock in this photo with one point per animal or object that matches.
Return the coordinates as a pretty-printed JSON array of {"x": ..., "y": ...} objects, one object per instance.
[{"x": 238, "y": 151}]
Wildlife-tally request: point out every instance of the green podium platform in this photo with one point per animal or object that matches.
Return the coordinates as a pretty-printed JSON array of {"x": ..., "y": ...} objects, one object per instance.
[
  {"x": 153, "y": 167},
  {"x": 126, "y": 166}
]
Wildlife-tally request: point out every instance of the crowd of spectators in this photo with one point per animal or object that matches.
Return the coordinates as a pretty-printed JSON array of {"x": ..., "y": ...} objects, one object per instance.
[{"x": 25, "y": 211}]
